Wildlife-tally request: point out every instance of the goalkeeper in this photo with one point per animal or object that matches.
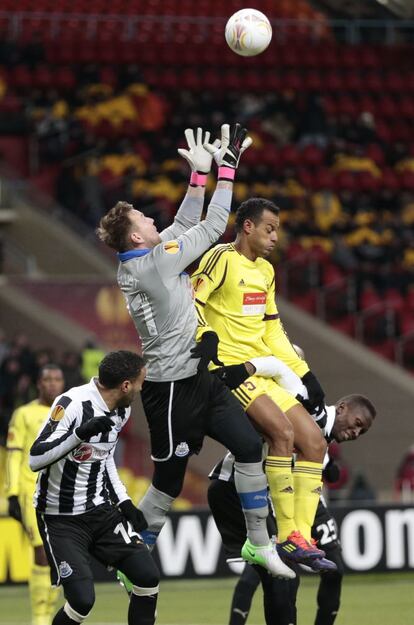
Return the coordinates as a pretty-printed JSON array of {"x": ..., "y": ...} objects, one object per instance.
[{"x": 183, "y": 402}]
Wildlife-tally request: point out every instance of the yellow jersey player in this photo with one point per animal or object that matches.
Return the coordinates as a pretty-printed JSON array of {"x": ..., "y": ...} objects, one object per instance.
[
  {"x": 24, "y": 426},
  {"x": 235, "y": 299}
]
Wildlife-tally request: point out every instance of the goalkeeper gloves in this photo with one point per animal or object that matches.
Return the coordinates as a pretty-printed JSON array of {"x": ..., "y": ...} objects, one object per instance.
[
  {"x": 206, "y": 350},
  {"x": 232, "y": 146},
  {"x": 133, "y": 515},
  {"x": 197, "y": 156},
  {"x": 15, "y": 510},
  {"x": 93, "y": 427}
]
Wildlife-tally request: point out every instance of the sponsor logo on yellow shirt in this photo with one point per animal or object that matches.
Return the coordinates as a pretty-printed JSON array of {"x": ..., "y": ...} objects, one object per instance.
[{"x": 254, "y": 303}]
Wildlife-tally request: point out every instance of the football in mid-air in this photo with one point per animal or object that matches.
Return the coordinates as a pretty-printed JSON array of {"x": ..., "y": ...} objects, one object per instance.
[{"x": 248, "y": 32}]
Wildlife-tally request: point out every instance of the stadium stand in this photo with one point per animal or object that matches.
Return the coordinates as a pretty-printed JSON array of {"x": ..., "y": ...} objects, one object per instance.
[
  {"x": 94, "y": 99},
  {"x": 334, "y": 146},
  {"x": 100, "y": 105}
]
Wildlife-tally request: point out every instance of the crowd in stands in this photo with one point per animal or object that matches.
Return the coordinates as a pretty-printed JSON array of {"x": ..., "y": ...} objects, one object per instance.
[
  {"x": 334, "y": 176},
  {"x": 19, "y": 367},
  {"x": 333, "y": 144}
]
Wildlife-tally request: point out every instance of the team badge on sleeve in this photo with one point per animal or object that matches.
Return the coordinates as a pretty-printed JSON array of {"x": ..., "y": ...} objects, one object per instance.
[
  {"x": 172, "y": 247},
  {"x": 199, "y": 283},
  {"x": 58, "y": 413}
]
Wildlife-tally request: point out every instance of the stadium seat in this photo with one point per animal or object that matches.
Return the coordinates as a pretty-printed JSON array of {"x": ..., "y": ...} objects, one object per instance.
[
  {"x": 369, "y": 298},
  {"x": 331, "y": 274},
  {"x": 393, "y": 299},
  {"x": 306, "y": 301}
]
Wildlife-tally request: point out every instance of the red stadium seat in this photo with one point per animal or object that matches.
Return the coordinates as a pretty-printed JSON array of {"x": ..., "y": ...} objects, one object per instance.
[
  {"x": 43, "y": 77},
  {"x": 370, "y": 58},
  {"x": 65, "y": 78},
  {"x": 289, "y": 156},
  {"x": 393, "y": 299},
  {"x": 313, "y": 81},
  {"x": 312, "y": 156},
  {"x": 373, "y": 83},
  {"x": 390, "y": 179},
  {"x": 375, "y": 152},
  {"x": 307, "y": 302},
  {"x": 349, "y": 57},
  {"x": 366, "y": 182},
  {"x": 386, "y": 349},
  {"x": 331, "y": 274},
  {"x": 333, "y": 81},
  {"x": 407, "y": 321},
  {"x": 345, "y": 181},
  {"x": 369, "y": 298},
  {"x": 346, "y": 325},
  {"x": 323, "y": 179},
  {"x": 353, "y": 82},
  {"x": 347, "y": 106}
]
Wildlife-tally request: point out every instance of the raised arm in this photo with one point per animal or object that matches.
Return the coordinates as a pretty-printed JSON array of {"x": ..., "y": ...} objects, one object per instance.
[
  {"x": 57, "y": 437},
  {"x": 174, "y": 256},
  {"x": 63, "y": 431},
  {"x": 199, "y": 159}
]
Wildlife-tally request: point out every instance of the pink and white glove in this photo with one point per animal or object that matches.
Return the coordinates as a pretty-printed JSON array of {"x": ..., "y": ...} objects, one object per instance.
[{"x": 197, "y": 156}]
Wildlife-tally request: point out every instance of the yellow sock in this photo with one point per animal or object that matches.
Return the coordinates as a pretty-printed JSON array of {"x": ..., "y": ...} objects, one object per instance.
[
  {"x": 51, "y": 604},
  {"x": 280, "y": 480},
  {"x": 39, "y": 587},
  {"x": 307, "y": 478}
]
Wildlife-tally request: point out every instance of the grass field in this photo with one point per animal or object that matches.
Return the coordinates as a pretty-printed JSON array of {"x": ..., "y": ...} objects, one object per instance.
[{"x": 366, "y": 600}]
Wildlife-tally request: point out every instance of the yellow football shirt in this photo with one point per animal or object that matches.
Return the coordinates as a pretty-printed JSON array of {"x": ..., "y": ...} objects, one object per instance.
[
  {"x": 24, "y": 427},
  {"x": 235, "y": 297}
]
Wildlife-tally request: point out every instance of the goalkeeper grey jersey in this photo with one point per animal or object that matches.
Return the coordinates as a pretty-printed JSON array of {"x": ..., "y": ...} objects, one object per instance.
[
  {"x": 76, "y": 476},
  {"x": 159, "y": 294}
]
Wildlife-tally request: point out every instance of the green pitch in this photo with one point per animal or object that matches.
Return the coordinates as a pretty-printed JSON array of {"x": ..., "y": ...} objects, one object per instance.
[{"x": 366, "y": 599}]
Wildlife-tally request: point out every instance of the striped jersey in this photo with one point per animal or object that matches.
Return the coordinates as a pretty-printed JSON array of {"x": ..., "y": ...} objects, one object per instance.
[
  {"x": 224, "y": 469},
  {"x": 76, "y": 476},
  {"x": 159, "y": 294}
]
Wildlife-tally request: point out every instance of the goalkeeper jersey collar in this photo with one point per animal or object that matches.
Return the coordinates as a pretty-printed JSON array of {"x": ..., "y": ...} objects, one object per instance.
[{"x": 124, "y": 256}]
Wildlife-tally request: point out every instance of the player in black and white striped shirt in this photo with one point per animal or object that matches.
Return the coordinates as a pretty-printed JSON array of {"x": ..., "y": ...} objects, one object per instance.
[{"x": 82, "y": 505}]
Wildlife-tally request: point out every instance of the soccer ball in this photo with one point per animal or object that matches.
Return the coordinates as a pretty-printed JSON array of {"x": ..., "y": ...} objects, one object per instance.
[{"x": 248, "y": 32}]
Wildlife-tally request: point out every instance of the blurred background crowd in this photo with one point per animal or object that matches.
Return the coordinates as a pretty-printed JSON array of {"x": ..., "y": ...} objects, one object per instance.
[{"x": 93, "y": 111}]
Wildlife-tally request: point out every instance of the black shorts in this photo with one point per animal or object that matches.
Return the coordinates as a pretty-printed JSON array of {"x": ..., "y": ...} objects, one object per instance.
[
  {"x": 226, "y": 509},
  {"x": 181, "y": 413},
  {"x": 69, "y": 542}
]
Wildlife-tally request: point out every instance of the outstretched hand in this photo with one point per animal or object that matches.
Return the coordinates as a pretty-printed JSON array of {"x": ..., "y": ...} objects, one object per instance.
[
  {"x": 197, "y": 156},
  {"x": 232, "y": 146}
]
